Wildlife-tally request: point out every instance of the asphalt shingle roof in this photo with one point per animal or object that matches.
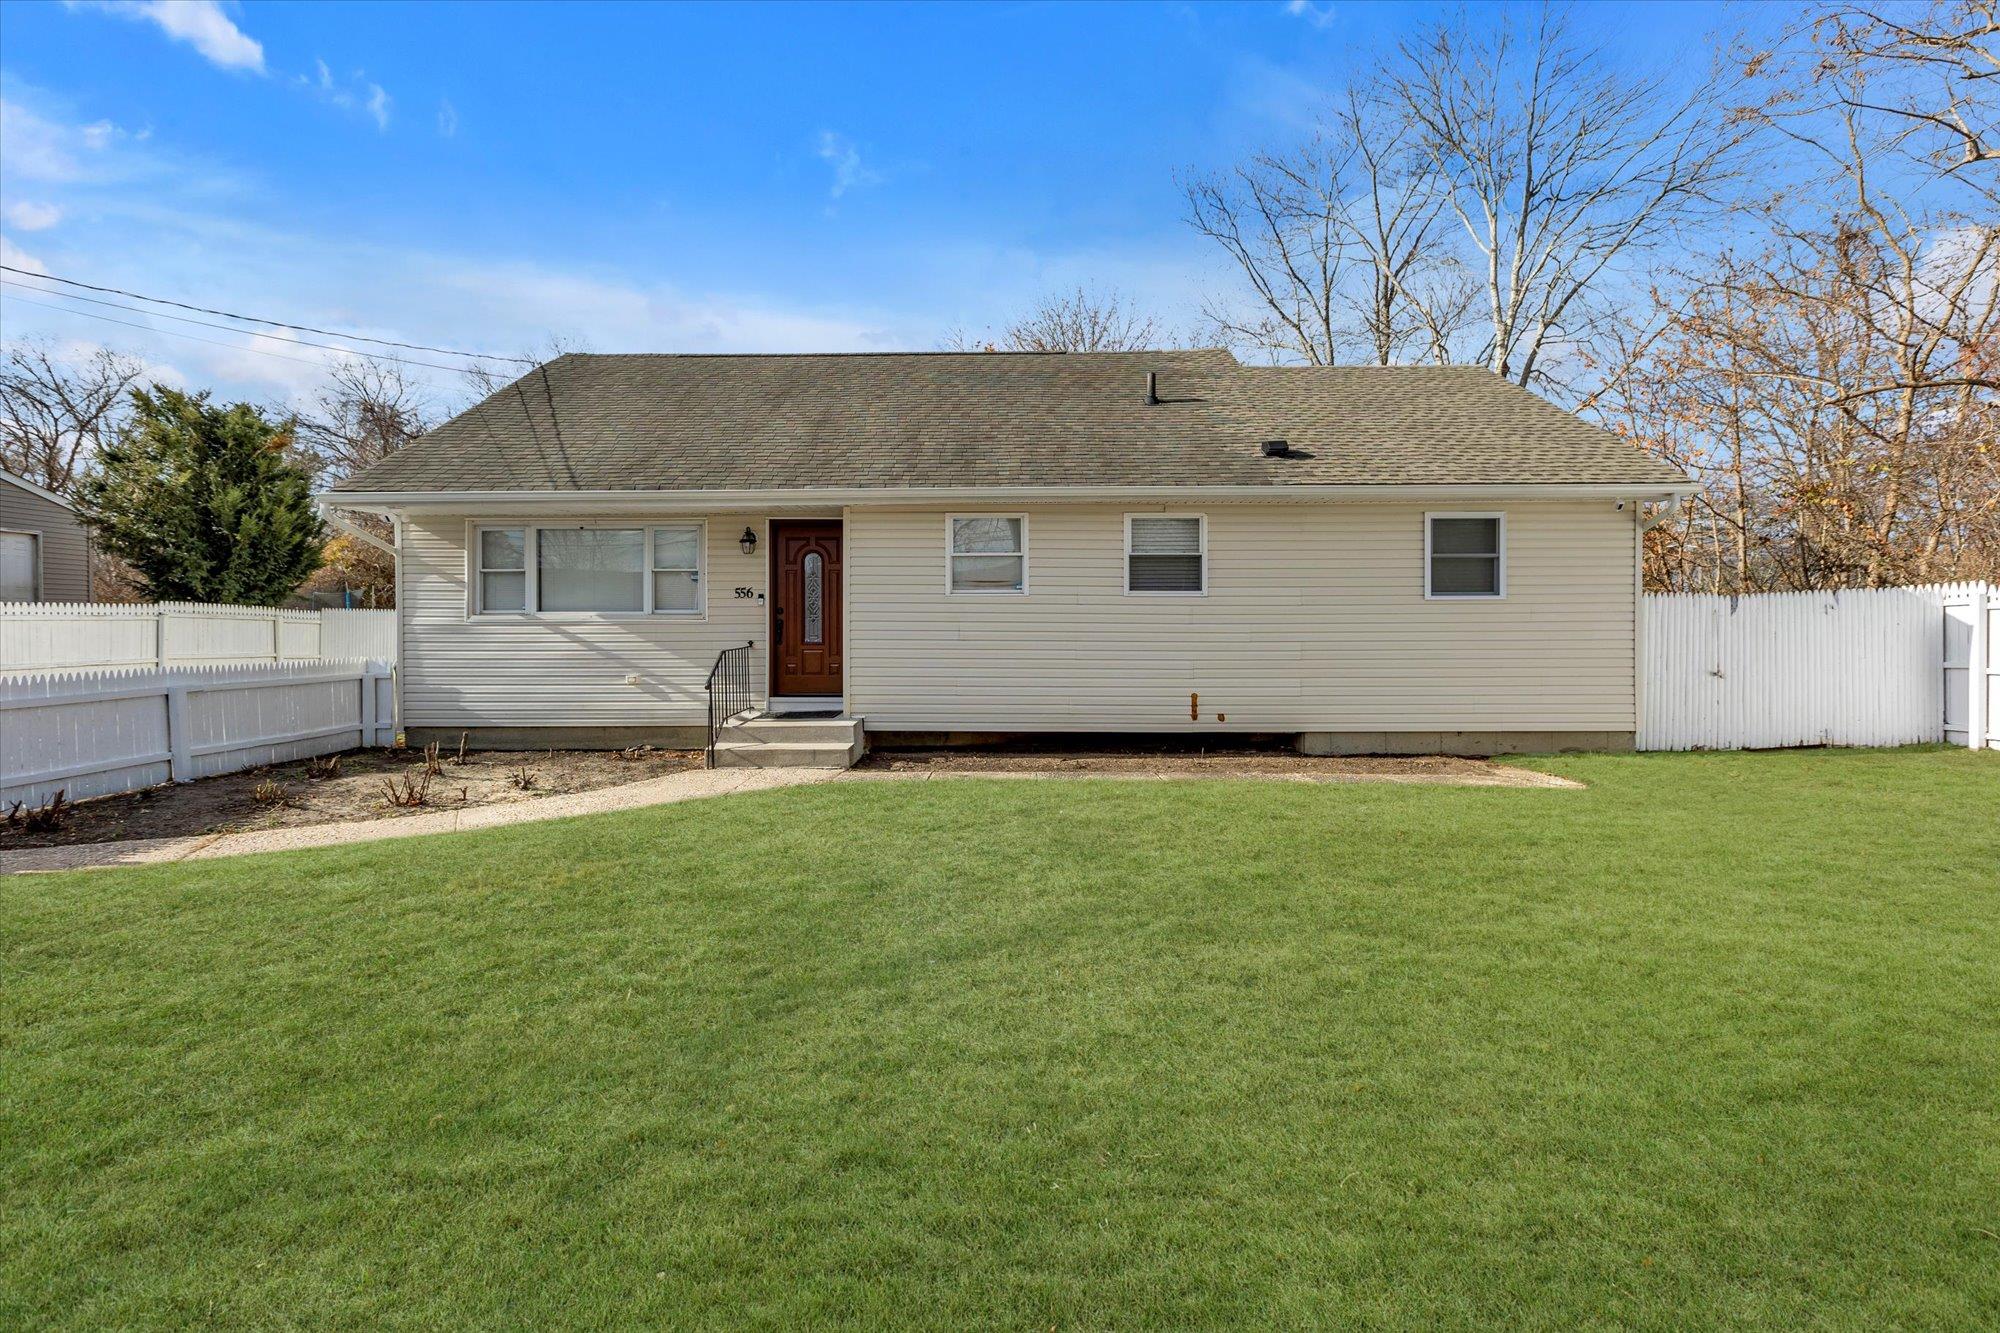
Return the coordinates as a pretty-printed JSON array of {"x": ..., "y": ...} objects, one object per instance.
[{"x": 646, "y": 422}]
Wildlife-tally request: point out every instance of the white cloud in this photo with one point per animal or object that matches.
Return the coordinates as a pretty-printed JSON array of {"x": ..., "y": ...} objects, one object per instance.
[
  {"x": 27, "y": 215},
  {"x": 1320, "y": 15},
  {"x": 848, "y": 171},
  {"x": 15, "y": 257},
  {"x": 200, "y": 23},
  {"x": 358, "y": 94},
  {"x": 447, "y": 118},
  {"x": 33, "y": 147}
]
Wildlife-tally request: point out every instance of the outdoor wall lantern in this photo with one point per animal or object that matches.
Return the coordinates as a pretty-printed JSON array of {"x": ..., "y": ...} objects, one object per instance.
[{"x": 748, "y": 541}]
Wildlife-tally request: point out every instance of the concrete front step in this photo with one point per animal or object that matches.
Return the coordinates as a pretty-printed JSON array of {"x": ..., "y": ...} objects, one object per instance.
[
  {"x": 794, "y": 731},
  {"x": 773, "y": 754},
  {"x": 763, "y": 741}
]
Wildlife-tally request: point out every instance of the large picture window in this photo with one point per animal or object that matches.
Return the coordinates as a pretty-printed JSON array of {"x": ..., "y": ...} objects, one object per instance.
[
  {"x": 1166, "y": 553},
  {"x": 609, "y": 570},
  {"x": 988, "y": 553},
  {"x": 1465, "y": 555},
  {"x": 590, "y": 569}
]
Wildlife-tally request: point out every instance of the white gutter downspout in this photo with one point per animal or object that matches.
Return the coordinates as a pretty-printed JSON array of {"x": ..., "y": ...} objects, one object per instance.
[{"x": 1660, "y": 515}]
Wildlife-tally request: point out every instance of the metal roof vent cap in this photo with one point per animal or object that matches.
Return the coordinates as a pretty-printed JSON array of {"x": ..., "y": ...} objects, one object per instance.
[
  {"x": 1276, "y": 448},
  {"x": 1152, "y": 388}
]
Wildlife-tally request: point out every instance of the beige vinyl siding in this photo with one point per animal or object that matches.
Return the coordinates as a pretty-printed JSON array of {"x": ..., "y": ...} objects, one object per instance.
[
  {"x": 64, "y": 545},
  {"x": 1314, "y": 619},
  {"x": 462, "y": 670}
]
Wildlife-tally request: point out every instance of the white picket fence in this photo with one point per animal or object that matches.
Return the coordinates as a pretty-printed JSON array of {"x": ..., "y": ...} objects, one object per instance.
[
  {"x": 1888, "y": 666},
  {"x": 93, "y": 733},
  {"x": 60, "y": 636}
]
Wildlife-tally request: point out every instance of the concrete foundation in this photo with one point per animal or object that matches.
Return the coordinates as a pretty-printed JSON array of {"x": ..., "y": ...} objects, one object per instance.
[
  {"x": 561, "y": 738},
  {"x": 1472, "y": 744},
  {"x": 1466, "y": 743}
]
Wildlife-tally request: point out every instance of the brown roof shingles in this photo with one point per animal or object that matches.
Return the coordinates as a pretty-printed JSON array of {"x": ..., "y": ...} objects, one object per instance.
[{"x": 645, "y": 422}]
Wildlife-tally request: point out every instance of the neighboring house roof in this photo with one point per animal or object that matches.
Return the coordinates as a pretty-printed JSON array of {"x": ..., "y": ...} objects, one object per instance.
[
  {"x": 32, "y": 489},
  {"x": 983, "y": 419}
]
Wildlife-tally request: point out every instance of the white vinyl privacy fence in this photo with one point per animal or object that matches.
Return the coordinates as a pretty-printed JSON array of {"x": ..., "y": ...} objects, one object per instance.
[
  {"x": 1887, "y": 666},
  {"x": 93, "y": 733},
  {"x": 52, "y": 636}
]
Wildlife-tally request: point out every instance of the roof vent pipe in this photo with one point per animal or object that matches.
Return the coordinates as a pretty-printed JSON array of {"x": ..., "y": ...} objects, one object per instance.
[
  {"x": 1152, "y": 389},
  {"x": 1276, "y": 448}
]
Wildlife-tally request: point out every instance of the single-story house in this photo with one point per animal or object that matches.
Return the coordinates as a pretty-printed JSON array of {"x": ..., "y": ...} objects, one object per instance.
[
  {"x": 44, "y": 546},
  {"x": 949, "y": 545}
]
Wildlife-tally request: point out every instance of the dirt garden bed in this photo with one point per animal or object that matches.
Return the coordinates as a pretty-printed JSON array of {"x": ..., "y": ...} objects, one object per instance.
[
  {"x": 1244, "y": 762},
  {"x": 357, "y": 788}
]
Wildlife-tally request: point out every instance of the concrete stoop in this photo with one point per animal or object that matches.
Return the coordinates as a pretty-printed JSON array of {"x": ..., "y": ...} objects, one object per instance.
[{"x": 760, "y": 740}]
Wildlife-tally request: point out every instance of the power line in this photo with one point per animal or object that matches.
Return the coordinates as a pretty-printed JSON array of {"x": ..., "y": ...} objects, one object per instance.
[
  {"x": 176, "y": 333},
  {"x": 209, "y": 324},
  {"x": 274, "y": 323}
]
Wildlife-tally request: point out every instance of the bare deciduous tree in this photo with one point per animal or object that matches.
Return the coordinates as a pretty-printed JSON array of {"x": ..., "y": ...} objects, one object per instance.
[
  {"x": 1835, "y": 388},
  {"x": 485, "y": 378},
  {"x": 1339, "y": 244},
  {"x": 1281, "y": 218},
  {"x": 1928, "y": 71},
  {"x": 56, "y": 413},
  {"x": 1080, "y": 321},
  {"x": 1559, "y": 171},
  {"x": 1472, "y": 200},
  {"x": 368, "y": 410},
  {"x": 1418, "y": 297}
]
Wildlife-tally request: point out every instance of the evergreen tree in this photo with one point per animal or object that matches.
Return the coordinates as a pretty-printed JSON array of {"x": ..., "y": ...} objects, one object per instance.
[{"x": 204, "y": 502}]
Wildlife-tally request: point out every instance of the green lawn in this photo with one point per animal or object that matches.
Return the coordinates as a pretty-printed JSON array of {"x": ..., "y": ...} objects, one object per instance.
[{"x": 1715, "y": 1042}]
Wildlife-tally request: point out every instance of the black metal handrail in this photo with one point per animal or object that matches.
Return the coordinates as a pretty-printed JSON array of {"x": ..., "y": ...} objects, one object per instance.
[{"x": 728, "y": 691}]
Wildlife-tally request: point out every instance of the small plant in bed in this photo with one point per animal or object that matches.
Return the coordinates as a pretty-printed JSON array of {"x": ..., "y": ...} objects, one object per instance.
[
  {"x": 410, "y": 791},
  {"x": 47, "y": 817}
]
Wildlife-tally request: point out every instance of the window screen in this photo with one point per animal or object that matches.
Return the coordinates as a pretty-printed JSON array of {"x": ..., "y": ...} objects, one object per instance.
[
  {"x": 1164, "y": 555},
  {"x": 988, "y": 554},
  {"x": 1465, "y": 557}
]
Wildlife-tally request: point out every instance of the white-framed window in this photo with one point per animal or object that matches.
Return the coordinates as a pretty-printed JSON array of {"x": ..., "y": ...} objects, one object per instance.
[
  {"x": 1166, "y": 555},
  {"x": 1465, "y": 556},
  {"x": 677, "y": 569},
  {"x": 20, "y": 567},
  {"x": 503, "y": 568},
  {"x": 589, "y": 569},
  {"x": 986, "y": 553}
]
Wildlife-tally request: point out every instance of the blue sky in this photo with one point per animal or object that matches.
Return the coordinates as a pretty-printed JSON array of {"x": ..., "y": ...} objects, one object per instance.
[{"x": 651, "y": 177}]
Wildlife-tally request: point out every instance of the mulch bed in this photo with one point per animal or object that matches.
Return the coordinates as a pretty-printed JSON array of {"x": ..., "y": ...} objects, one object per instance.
[{"x": 289, "y": 795}]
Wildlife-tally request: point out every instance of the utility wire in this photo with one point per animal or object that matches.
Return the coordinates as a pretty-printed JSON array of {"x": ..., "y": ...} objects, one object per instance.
[
  {"x": 191, "y": 337},
  {"x": 210, "y": 324},
  {"x": 274, "y": 323}
]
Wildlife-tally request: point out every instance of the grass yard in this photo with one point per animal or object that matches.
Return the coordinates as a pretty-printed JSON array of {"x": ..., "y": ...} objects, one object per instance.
[{"x": 1715, "y": 1042}]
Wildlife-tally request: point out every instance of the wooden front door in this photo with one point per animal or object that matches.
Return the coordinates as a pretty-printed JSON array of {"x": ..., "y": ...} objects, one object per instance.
[{"x": 805, "y": 612}]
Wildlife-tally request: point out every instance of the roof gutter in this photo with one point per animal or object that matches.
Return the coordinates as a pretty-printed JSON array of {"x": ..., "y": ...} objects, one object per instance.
[{"x": 581, "y": 501}]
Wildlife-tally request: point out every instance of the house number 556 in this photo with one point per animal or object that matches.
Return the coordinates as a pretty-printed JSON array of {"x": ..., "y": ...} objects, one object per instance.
[{"x": 745, "y": 593}]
